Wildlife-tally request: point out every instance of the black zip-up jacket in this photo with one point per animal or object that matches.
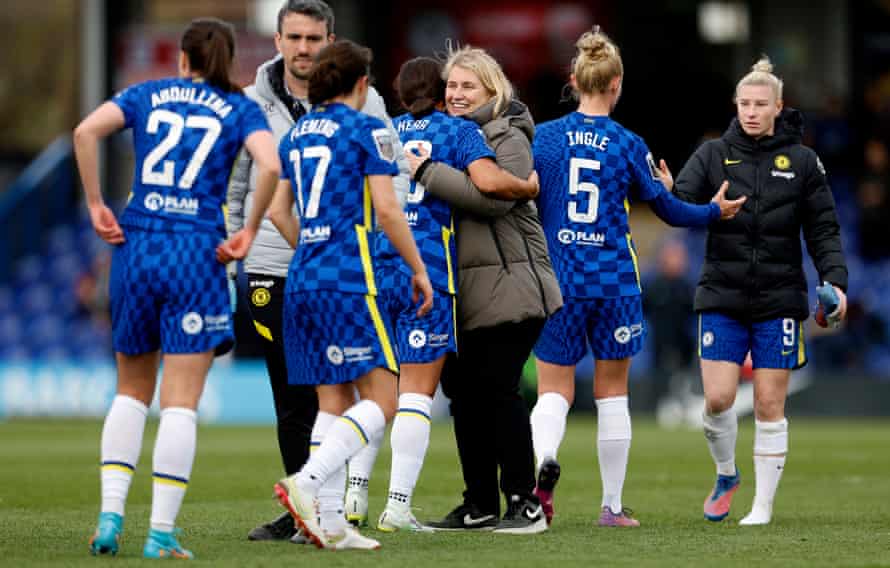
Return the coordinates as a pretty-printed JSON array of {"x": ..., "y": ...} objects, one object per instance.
[{"x": 753, "y": 267}]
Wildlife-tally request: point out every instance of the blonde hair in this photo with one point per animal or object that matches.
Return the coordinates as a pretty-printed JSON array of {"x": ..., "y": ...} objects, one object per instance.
[
  {"x": 597, "y": 62},
  {"x": 761, "y": 74},
  {"x": 484, "y": 66}
]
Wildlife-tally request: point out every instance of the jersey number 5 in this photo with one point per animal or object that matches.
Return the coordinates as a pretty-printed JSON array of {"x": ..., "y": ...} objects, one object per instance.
[
  {"x": 576, "y": 187},
  {"x": 323, "y": 155},
  {"x": 417, "y": 190},
  {"x": 164, "y": 175}
]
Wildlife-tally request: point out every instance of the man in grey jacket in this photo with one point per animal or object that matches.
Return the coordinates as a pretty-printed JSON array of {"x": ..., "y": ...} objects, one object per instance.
[{"x": 304, "y": 28}]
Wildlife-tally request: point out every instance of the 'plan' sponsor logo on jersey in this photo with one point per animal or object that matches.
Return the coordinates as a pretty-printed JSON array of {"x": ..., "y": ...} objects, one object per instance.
[
  {"x": 315, "y": 234},
  {"x": 171, "y": 204},
  {"x": 568, "y": 237}
]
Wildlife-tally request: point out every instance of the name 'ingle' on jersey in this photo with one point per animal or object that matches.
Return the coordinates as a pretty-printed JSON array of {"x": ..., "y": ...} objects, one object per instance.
[
  {"x": 589, "y": 169},
  {"x": 186, "y": 135},
  {"x": 453, "y": 141},
  {"x": 327, "y": 157}
]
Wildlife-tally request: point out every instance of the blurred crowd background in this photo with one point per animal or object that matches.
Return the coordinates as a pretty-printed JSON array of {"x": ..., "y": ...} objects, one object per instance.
[{"x": 61, "y": 58}]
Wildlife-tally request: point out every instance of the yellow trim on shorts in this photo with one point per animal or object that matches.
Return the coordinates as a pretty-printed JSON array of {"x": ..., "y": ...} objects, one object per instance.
[
  {"x": 801, "y": 349},
  {"x": 264, "y": 331},
  {"x": 446, "y": 239},
  {"x": 382, "y": 335}
]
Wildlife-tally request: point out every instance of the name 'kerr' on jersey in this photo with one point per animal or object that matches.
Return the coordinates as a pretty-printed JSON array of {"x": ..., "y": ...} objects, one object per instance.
[
  {"x": 327, "y": 157},
  {"x": 186, "y": 135},
  {"x": 457, "y": 143},
  {"x": 589, "y": 168}
]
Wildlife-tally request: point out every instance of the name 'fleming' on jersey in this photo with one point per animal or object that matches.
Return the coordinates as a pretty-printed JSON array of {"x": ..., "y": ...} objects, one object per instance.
[
  {"x": 186, "y": 135},
  {"x": 327, "y": 157},
  {"x": 453, "y": 141},
  {"x": 589, "y": 169}
]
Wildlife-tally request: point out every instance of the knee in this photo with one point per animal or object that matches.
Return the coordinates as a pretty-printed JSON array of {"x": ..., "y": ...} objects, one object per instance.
[
  {"x": 717, "y": 403},
  {"x": 769, "y": 409}
]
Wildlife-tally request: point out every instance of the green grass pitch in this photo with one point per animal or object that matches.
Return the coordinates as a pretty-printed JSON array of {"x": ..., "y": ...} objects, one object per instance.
[{"x": 833, "y": 506}]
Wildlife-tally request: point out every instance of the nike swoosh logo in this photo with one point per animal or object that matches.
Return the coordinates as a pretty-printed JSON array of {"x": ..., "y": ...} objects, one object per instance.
[
  {"x": 533, "y": 514},
  {"x": 470, "y": 521},
  {"x": 728, "y": 162},
  {"x": 787, "y": 352}
]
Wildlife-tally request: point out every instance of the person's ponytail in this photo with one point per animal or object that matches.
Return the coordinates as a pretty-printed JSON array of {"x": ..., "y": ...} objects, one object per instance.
[{"x": 209, "y": 44}]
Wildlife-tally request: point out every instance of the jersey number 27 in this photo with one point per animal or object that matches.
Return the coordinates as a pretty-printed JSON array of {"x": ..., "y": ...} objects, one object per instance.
[{"x": 164, "y": 176}]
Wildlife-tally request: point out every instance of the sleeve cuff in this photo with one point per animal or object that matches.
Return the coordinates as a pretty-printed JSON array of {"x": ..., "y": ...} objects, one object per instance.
[{"x": 418, "y": 175}]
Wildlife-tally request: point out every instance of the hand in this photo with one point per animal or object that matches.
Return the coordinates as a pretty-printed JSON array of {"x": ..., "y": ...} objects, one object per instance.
[
  {"x": 728, "y": 207},
  {"x": 839, "y": 302},
  {"x": 235, "y": 247},
  {"x": 415, "y": 157},
  {"x": 420, "y": 285},
  {"x": 664, "y": 175},
  {"x": 105, "y": 224},
  {"x": 533, "y": 179}
]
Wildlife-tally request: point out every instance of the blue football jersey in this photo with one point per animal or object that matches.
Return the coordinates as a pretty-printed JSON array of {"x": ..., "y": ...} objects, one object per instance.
[
  {"x": 589, "y": 169},
  {"x": 327, "y": 157},
  {"x": 453, "y": 141},
  {"x": 186, "y": 135}
]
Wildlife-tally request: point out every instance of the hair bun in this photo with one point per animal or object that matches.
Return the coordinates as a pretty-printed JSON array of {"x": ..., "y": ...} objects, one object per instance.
[{"x": 763, "y": 65}]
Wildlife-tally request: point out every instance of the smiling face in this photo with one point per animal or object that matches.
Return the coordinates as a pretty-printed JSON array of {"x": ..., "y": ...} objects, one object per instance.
[
  {"x": 464, "y": 92},
  {"x": 757, "y": 108},
  {"x": 300, "y": 40}
]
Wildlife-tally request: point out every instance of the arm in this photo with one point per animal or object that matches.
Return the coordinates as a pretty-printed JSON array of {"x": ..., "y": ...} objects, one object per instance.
[
  {"x": 239, "y": 186},
  {"x": 492, "y": 180},
  {"x": 392, "y": 221},
  {"x": 821, "y": 230},
  {"x": 103, "y": 121},
  {"x": 677, "y": 213},
  {"x": 281, "y": 213},
  {"x": 261, "y": 146}
]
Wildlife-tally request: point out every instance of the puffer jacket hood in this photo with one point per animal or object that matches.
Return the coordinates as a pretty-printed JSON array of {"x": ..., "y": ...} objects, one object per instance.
[{"x": 788, "y": 131}]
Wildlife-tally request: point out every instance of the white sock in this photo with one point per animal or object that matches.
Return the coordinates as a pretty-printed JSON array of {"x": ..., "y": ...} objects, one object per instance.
[
  {"x": 361, "y": 464},
  {"x": 770, "y": 449},
  {"x": 121, "y": 445},
  {"x": 548, "y": 420},
  {"x": 721, "y": 431},
  {"x": 613, "y": 447},
  {"x": 346, "y": 436},
  {"x": 173, "y": 457},
  {"x": 331, "y": 493},
  {"x": 410, "y": 438}
]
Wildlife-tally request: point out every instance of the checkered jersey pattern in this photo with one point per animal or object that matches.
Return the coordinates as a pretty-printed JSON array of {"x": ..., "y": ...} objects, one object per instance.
[
  {"x": 613, "y": 327},
  {"x": 327, "y": 157},
  {"x": 589, "y": 168},
  {"x": 186, "y": 135},
  {"x": 168, "y": 292},
  {"x": 332, "y": 337},
  {"x": 453, "y": 141}
]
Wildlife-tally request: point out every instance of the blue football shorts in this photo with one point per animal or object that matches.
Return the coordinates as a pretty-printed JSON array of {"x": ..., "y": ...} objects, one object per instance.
[
  {"x": 333, "y": 337},
  {"x": 168, "y": 292},
  {"x": 773, "y": 344},
  {"x": 417, "y": 339},
  {"x": 613, "y": 328}
]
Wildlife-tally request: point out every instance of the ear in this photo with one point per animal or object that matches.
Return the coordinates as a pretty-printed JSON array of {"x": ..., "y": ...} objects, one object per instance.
[
  {"x": 332, "y": 37},
  {"x": 183, "y": 64},
  {"x": 615, "y": 84},
  {"x": 780, "y": 104},
  {"x": 573, "y": 82},
  {"x": 278, "y": 42}
]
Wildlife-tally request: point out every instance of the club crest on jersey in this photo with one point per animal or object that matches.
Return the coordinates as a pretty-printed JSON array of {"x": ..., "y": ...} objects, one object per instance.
[
  {"x": 335, "y": 355},
  {"x": 707, "y": 339},
  {"x": 192, "y": 323},
  {"x": 782, "y": 162},
  {"x": 260, "y": 297},
  {"x": 417, "y": 338},
  {"x": 383, "y": 142}
]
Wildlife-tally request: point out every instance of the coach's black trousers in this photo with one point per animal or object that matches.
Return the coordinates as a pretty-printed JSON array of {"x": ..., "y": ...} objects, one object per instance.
[
  {"x": 491, "y": 420},
  {"x": 295, "y": 405}
]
